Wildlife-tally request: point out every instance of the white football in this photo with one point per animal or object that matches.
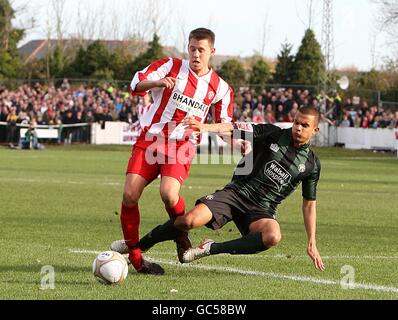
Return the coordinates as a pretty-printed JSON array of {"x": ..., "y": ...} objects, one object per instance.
[{"x": 110, "y": 267}]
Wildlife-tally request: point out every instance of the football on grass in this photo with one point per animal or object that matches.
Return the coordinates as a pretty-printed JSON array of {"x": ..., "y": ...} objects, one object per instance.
[{"x": 110, "y": 267}]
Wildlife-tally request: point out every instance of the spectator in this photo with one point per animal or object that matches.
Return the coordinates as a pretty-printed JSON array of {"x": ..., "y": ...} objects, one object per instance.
[
  {"x": 280, "y": 113},
  {"x": 123, "y": 115},
  {"x": 248, "y": 100},
  {"x": 245, "y": 117},
  {"x": 394, "y": 121},
  {"x": 345, "y": 122},
  {"x": 12, "y": 131},
  {"x": 258, "y": 116},
  {"x": 31, "y": 141},
  {"x": 269, "y": 117}
]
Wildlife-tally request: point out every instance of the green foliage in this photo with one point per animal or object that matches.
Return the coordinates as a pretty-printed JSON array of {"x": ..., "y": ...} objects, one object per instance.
[
  {"x": 10, "y": 62},
  {"x": 57, "y": 63},
  {"x": 120, "y": 59},
  {"x": 284, "y": 70},
  {"x": 153, "y": 53},
  {"x": 97, "y": 57},
  {"x": 233, "y": 73},
  {"x": 309, "y": 65},
  {"x": 374, "y": 80},
  {"x": 35, "y": 69},
  {"x": 91, "y": 62},
  {"x": 260, "y": 74}
]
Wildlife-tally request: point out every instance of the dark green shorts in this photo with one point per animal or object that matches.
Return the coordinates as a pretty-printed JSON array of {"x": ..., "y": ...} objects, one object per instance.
[{"x": 228, "y": 205}]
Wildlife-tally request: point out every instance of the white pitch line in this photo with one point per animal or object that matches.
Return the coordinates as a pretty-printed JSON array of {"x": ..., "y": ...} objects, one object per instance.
[{"x": 296, "y": 278}]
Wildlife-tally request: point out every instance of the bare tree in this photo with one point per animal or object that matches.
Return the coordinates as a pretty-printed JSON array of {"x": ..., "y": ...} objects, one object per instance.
[
  {"x": 311, "y": 12},
  {"x": 49, "y": 30},
  {"x": 373, "y": 47},
  {"x": 389, "y": 18},
  {"x": 114, "y": 30},
  {"x": 85, "y": 22},
  {"x": 138, "y": 24},
  {"x": 159, "y": 13},
  {"x": 264, "y": 32},
  {"x": 58, "y": 10},
  {"x": 24, "y": 18},
  {"x": 6, "y": 15},
  {"x": 100, "y": 17}
]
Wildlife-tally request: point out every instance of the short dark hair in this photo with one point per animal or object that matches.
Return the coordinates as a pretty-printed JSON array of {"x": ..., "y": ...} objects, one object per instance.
[
  {"x": 203, "y": 34},
  {"x": 312, "y": 111}
]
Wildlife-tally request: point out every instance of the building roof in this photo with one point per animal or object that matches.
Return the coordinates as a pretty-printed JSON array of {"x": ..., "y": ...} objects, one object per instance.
[{"x": 38, "y": 49}]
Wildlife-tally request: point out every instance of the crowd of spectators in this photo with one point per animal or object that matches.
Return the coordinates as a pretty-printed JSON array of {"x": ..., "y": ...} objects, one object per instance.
[
  {"x": 281, "y": 105},
  {"x": 63, "y": 106},
  {"x": 66, "y": 105}
]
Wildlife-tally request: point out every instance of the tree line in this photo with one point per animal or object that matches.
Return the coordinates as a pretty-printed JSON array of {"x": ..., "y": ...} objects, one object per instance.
[{"x": 96, "y": 61}]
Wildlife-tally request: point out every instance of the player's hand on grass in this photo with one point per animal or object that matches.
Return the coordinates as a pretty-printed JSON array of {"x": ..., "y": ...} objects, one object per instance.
[
  {"x": 168, "y": 83},
  {"x": 313, "y": 252}
]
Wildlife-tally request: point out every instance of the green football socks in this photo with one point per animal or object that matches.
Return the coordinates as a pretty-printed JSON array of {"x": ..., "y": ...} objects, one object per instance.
[{"x": 250, "y": 244}]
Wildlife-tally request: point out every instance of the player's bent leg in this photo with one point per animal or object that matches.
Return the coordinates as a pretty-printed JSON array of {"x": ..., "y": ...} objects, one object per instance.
[
  {"x": 263, "y": 234},
  {"x": 134, "y": 185},
  {"x": 172, "y": 229},
  {"x": 269, "y": 230},
  {"x": 130, "y": 217},
  {"x": 169, "y": 192},
  {"x": 195, "y": 218},
  {"x": 133, "y": 188},
  {"x": 175, "y": 207}
]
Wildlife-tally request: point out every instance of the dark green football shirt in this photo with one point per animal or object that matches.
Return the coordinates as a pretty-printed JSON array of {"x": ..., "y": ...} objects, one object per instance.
[{"x": 278, "y": 167}]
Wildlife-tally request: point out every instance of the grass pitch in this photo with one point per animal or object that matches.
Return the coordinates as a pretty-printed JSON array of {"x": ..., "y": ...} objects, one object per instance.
[{"x": 61, "y": 206}]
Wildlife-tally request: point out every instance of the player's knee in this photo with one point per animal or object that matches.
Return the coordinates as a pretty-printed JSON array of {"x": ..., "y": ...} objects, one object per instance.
[
  {"x": 130, "y": 198},
  {"x": 169, "y": 198},
  {"x": 183, "y": 224},
  {"x": 272, "y": 239}
]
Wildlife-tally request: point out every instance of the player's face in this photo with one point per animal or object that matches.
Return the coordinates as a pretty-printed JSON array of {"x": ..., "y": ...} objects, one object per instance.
[
  {"x": 200, "y": 52},
  {"x": 304, "y": 128}
]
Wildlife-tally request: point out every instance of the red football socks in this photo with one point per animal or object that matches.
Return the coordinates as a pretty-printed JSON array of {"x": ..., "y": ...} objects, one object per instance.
[
  {"x": 130, "y": 219},
  {"x": 177, "y": 210}
]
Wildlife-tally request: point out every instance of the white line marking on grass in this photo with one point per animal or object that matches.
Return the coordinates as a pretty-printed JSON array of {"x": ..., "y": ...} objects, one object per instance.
[
  {"x": 84, "y": 251},
  {"x": 296, "y": 278},
  {"x": 279, "y": 276}
]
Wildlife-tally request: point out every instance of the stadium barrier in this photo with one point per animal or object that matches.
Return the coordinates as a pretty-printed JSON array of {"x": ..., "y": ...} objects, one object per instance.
[
  {"x": 124, "y": 133},
  {"x": 49, "y": 133},
  {"x": 369, "y": 139},
  {"x": 79, "y": 132}
]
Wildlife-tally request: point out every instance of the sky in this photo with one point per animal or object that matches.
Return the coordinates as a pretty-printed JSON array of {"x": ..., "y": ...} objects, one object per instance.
[{"x": 241, "y": 26}]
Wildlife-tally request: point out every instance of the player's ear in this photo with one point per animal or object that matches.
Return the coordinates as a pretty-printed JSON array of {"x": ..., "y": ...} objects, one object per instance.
[{"x": 213, "y": 51}]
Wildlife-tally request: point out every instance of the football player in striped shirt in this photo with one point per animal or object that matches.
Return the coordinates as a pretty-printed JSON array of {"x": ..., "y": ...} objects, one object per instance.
[{"x": 180, "y": 89}]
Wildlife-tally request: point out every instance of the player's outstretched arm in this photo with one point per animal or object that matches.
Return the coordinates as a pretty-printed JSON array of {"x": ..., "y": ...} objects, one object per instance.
[
  {"x": 146, "y": 85},
  {"x": 309, "y": 212},
  {"x": 222, "y": 128}
]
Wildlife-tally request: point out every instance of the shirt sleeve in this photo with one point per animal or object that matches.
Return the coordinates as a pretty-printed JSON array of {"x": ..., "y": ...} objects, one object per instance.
[
  {"x": 310, "y": 184},
  {"x": 155, "y": 71},
  {"x": 249, "y": 131},
  {"x": 224, "y": 108}
]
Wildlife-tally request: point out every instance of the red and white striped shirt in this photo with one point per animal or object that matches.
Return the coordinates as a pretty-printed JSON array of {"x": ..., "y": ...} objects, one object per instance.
[{"x": 191, "y": 96}]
